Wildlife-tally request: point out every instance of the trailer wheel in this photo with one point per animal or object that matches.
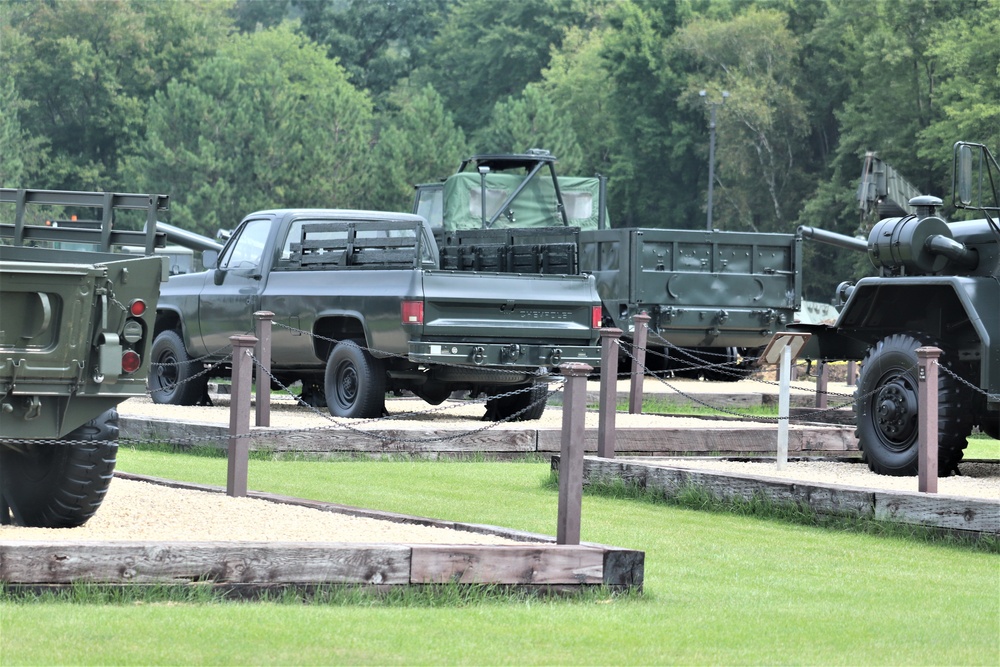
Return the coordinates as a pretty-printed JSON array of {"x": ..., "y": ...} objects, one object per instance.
[
  {"x": 173, "y": 376},
  {"x": 354, "y": 382},
  {"x": 526, "y": 405},
  {"x": 61, "y": 485},
  {"x": 886, "y": 409}
]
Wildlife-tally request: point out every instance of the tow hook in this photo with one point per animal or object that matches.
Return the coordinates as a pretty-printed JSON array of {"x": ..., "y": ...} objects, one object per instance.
[
  {"x": 478, "y": 355},
  {"x": 33, "y": 408},
  {"x": 511, "y": 353}
]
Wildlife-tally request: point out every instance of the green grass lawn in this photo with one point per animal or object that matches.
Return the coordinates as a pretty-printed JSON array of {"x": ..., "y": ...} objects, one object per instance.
[{"x": 719, "y": 589}]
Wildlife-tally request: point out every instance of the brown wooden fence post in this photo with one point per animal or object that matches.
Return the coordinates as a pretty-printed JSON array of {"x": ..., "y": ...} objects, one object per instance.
[
  {"x": 571, "y": 453},
  {"x": 262, "y": 351},
  {"x": 852, "y": 373},
  {"x": 822, "y": 379},
  {"x": 927, "y": 418},
  {"x": 641, "y": 322},
  {"x": 239, "y": 416},
  {"x": 608, "y": 402}
]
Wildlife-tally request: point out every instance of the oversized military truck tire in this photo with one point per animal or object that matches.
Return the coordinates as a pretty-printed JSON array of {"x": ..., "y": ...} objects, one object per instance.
[
  {"x": 173, "y": 377},
  {"x": 61, "y": 485},
  {"x": 886, "y": 408}
]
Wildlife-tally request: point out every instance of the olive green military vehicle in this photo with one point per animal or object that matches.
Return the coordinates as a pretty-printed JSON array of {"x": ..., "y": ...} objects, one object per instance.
[
  {"x": 714, "y": 298},
  {"x": 76, "y": 322},
  {"x": 938, "y": 284}
]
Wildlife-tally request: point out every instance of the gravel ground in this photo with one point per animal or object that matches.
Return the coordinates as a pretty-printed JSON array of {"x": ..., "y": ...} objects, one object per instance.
[{"x": 141, "y": 511}]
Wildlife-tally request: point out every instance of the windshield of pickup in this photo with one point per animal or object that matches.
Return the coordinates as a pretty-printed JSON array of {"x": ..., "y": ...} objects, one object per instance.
[{"x": 247, "y": 250}]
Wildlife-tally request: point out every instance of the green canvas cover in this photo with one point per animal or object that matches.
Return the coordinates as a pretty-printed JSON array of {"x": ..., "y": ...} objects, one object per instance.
[{"x": 534, "y": 207}]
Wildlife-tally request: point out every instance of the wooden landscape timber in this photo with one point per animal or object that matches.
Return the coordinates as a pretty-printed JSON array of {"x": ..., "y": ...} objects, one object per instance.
[
  {"x": 950, "y": 513},
  {"x": 500, "y": 443},
  {"x": 535, "y": 563}
]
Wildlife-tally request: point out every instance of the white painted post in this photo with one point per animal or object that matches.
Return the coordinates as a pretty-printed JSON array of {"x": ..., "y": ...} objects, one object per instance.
[{"x": 784, "y": 392}]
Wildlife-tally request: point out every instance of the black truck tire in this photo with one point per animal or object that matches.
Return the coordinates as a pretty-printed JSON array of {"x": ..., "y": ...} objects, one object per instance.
[
  {"x": 526, "y": 405},
  {"x": 355, "y": 382},
  {"x": 886, "y": 408},
  {"x": 173, "y": 377},
  {"x": 61, "y": 485}
]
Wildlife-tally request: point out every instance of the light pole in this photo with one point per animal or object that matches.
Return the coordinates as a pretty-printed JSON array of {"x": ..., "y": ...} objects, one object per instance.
[{"x": 711, "y": 149}]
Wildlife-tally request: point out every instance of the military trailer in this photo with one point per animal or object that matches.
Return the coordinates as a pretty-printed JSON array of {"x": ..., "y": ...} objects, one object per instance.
[
  {"x": 714, "y": 298},
  {"x": 75, "y": 334},
  {"x": 938, "y": 284}
]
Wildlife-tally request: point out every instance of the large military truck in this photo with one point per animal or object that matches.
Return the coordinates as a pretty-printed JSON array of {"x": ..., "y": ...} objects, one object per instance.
[
  {"x": 714, "y": 298},
  {"x": 364, "y": 306},
  {"x": 938, "y": 284},
  {"x": 75, "y": 332}
]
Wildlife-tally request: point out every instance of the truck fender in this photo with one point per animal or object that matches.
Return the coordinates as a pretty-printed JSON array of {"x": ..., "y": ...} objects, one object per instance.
[{"x": 336, "y": 325}]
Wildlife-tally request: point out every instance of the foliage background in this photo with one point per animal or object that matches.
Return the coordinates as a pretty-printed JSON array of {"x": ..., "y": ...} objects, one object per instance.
[{"x": 232, "y": 105}]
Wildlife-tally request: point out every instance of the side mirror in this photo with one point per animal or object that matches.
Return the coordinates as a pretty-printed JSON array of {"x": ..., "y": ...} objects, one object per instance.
[
  {"x": 209, "y": 258},
  {"x": 963, "y": 173}
]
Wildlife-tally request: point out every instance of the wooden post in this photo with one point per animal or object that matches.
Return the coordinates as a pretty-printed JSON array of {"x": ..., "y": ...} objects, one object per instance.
[
  {"x": 262, "y": 351},
  {"x": 608, "y": 402},
  {"x": 638, "y": 363},
  {"x": 822, "y": 379},
  {"x": 927, "y": 418},
  {"x": 239, "y": 416},
  {"x": 852, "y": 373},
  {"x": 571, "y": 453}
]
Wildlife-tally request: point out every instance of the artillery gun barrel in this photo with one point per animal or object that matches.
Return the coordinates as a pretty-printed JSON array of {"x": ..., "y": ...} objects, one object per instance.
[
  {"x": 833, "y": 238},
  {"x": 183, "y": 237}
]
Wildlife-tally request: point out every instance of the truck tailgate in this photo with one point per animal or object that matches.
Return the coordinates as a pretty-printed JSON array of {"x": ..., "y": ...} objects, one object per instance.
[
  {"x": 541, "y": 308},
  {"x": 722, "y": 288}
]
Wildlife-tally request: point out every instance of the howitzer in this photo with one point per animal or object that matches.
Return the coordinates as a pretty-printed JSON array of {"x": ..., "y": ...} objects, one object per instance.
[
  {"x": 937, "y": 285},
  {"x": 920, "y": 244}
]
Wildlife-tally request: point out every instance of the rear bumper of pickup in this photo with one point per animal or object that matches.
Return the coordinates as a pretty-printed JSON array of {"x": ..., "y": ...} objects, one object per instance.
[{"x": 509, "y": 356}]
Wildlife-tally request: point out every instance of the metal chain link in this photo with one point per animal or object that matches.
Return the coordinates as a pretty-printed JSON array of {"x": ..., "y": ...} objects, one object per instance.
[
  {"x": 989, "y": 396},
  {"x": 722, "y": 367},
  {"x": 384, "y": 353},
  {"x": 742, "y": 415}
]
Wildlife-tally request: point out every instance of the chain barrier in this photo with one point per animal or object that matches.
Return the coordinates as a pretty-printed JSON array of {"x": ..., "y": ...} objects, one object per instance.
[
  {"x": 753, "y": 418},
  {"x": 725, "y": 367},
  {"x": 384, "y": 353},
  {"x": 557, "y": 381},
  {"x": 978, "y": 390}
]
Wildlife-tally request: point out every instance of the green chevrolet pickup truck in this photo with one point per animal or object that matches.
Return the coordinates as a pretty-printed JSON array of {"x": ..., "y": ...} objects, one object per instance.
[{"x": 362, "y": 307}]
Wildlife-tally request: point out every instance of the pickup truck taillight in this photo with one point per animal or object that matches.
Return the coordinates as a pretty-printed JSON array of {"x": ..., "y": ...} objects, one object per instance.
[
  {"x": 595, "y": 317},
  {"x": 413, "y": 312}
]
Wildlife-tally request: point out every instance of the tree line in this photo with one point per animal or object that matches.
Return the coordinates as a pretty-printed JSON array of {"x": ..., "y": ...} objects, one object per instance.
[{"x": 234, "y": 105}]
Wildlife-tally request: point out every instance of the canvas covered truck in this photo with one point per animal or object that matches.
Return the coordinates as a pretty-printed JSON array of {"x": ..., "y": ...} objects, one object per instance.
[
  {"x": 713, "y": 297},
  {"x": 937, "y": 284},
  {"x": 75, "y": 333},
  {"x": 363, "y": 305}
]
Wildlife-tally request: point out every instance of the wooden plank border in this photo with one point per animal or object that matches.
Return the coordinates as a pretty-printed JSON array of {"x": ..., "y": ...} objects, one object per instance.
[
  {"x": 502, "y": 443},
  {"x": 538, "y": 563},
  {"x": 953, "y": 513}
]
